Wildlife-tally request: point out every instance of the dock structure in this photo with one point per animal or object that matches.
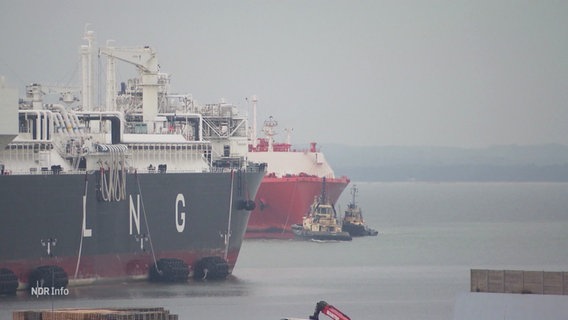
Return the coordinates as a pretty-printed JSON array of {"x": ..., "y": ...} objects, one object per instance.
[
  {"x": 519, "y": 281},
  {"x": 97, "y": 314}
]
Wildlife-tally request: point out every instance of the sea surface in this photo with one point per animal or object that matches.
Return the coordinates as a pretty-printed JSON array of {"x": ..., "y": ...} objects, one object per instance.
[{"x": 431, "y": 235}]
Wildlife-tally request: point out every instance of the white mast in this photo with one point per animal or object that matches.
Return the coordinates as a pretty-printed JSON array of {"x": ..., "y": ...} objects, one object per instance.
[
  {"x": 111, "y": 81},
  {"x": 253, "y": 136},
  {"x": 289, "y": 135},
  {"x": 87, "y": 64}
]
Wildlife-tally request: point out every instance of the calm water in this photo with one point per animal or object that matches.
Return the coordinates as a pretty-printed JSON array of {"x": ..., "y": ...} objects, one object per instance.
[{"x": 431, "y": 236}]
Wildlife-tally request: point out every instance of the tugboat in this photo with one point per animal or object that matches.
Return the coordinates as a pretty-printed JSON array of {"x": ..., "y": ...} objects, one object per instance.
[
  {"x": 353, "y": 221},
  {"x": 321, "y": 222}
]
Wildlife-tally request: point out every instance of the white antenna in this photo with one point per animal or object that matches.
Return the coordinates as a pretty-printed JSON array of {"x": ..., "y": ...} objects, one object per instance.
[{"x": 289, "y": 135}]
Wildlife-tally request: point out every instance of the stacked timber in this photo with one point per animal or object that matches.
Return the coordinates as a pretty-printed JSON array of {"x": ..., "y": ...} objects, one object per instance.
[
  {"x": 97, "y": 314},
  {"x": 519, "y": 281}
]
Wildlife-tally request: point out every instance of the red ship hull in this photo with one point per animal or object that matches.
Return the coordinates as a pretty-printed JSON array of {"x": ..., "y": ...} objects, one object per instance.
[{"x": 283, "y": 201}]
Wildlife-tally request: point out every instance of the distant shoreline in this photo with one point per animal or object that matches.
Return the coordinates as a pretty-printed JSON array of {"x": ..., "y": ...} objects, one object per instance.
[
  {"x": 457, "y": 173},
  {"x": 513, "y": 163}
]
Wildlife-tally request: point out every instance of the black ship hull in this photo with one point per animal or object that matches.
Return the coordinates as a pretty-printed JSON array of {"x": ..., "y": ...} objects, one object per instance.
[
  {"x": 62, "y": 220},
  {"x": 358, "y": 230}
]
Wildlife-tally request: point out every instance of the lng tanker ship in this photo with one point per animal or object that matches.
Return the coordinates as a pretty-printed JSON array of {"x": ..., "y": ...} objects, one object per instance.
[
  {"x": 139, "y": 188},
  {"x": 294, "y": 178}
]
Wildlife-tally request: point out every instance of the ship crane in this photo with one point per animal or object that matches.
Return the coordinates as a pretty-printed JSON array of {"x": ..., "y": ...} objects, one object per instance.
[
  {"x": 145, "y": 59},
  {"x": 329, "y": 311}
]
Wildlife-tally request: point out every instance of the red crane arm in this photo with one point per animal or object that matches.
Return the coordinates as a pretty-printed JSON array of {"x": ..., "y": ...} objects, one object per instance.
[{"x": 329, "y": 311}]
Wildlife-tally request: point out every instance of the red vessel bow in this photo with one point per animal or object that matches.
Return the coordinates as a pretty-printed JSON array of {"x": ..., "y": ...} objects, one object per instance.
[
  {"x": 294, "y": 178},
  {"x": 283, "y": 201}
]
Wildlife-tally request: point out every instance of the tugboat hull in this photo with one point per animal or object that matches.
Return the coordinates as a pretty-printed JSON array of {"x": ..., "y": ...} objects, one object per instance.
[
  {"x": 357, "y": 230},
  {"x": 301, "y": 233}
]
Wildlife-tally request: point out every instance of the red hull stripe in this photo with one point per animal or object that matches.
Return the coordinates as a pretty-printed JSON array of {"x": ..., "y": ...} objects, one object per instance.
[{"x": 117, "y": 266}]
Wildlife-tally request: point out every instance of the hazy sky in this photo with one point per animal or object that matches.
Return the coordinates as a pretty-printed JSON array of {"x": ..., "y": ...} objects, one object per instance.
[{"x": 439, "y": 73}]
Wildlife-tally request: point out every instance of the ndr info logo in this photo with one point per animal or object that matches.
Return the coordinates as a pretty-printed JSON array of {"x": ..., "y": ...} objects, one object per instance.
[{"x": 48, "y": 291}]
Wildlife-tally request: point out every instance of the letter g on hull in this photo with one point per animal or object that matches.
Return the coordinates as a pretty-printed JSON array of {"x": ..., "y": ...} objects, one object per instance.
[{"x": 180, "y": 216}]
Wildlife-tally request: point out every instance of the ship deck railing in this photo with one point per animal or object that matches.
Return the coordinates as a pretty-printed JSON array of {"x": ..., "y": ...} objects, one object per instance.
[{"x": 60, "y": 171}]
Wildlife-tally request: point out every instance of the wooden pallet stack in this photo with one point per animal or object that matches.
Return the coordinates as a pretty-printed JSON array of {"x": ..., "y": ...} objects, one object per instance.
[
  {"x": 519, "y": 281},
  {"x": 96, "y": 314}
]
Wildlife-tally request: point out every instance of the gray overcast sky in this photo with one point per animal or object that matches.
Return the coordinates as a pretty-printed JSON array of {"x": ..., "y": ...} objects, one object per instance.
[{"x": 436, "y": 73}]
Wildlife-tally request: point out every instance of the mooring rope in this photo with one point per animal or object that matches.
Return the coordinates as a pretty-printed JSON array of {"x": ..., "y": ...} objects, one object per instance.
[
  {"x": 113, "y": 188},
  {"x": 82, "y": 226},
  {"x": 228, "y": 236},
  {"x": 147, "y": 224}
]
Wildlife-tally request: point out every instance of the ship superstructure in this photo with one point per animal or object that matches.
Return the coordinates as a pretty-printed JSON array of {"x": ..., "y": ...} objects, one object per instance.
[{"x": 138, "y": 187}]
